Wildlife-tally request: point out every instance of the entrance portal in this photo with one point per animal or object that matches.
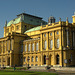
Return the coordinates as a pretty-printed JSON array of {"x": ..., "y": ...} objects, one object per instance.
[
  {"x": 44, "y": 59},
  {"x": 57, "y": 59},
  {"x": 9, "y": 61}
]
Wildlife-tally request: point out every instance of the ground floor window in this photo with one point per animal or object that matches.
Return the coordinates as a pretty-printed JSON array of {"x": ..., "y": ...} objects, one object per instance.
[
  {"x": 57, "y": 59},
  {"x": 44, "y": 59}
]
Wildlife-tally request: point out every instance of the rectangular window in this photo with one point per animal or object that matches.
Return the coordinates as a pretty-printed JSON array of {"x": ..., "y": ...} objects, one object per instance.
[
  {"x": 11, "y": 44},
  {"x": 36, "y": 46},
  {"x": 25, "y": 48},
  {"x": 36, "y": 65},
  {"x": 29, "y": 47},
  {"x": 21, "y": 48},
  {"x": 31, "y": 64},
  {"x": 33, "y": 47}
]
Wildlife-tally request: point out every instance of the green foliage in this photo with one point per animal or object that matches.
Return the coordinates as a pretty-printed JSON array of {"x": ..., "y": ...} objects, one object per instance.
[{"x": 25, "y": 73}]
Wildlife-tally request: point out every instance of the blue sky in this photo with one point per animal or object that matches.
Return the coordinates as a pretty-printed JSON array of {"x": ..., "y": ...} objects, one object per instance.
[{"x": 42, "y": 8}]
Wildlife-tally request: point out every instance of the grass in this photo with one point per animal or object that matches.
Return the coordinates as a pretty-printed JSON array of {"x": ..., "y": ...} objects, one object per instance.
[
  {"x": 25, "y": 73},
  {"x": 18, "y": 68}
]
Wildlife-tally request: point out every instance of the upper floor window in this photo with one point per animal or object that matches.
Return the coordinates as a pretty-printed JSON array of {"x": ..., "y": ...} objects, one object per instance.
[
  {"x": 57, "y": 32},
  {"x": 17, "y": 27},
  {"x": 33, "y": 47},
  {"x": 37, "y": 21},
  {"x": 12, "y": 28},
  {"x": 25, "y": 27},
  {"x": 36, "y": 58},
  {"x": 51, "y": 44},
  {"x": 51, "y": 34},
  {"x": 25, "y": 48},
  {"x": 4, "y": 49},
  {"x": 57, "y": 43},
  {"x": 36, "y": 46},
  {"x": 29, "y": 47},
  {"x": 21, "y": 48},
  {"x": 45, "y": 44},
  {"x": 45, "y": 35}
]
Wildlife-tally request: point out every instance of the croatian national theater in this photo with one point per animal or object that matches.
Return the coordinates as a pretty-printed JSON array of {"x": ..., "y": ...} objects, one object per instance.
[{"x": 29, "y": 40}]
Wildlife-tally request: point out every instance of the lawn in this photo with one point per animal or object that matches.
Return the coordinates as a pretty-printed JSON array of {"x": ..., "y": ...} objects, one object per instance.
[{"x": 25, "y": 73}]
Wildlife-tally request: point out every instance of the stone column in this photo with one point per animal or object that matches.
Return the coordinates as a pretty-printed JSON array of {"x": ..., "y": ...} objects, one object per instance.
[
  {"x": 11, "y": 62},
  {"x": 6, "y": 60},
  {"x": 34, "y": 46},
  {"x": 67, "y": 38},
  {"x": 60, "y": 59},
  {"x": 1, "y": 61},
  {"x": 47, "y": 41},
  {"x": 2, "y": 47},
  {"x": 53, "y": 40},
  {"x": 30, "y": 47},
  {"x": 41, "y": 59},
  {"x": 27, "y": 47},
  {"x": 47, "y": 60},
  {"x": 54, "y": 58},
  {"x": 41, "y": 42},
  {"x": 38, "y": 45}
]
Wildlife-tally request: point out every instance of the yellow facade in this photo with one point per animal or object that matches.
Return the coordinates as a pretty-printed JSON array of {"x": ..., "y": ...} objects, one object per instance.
[{"x": 53, "y": 45}]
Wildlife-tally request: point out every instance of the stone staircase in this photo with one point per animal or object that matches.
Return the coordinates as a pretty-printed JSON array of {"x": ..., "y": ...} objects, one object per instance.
[{"x": 38, "y": 67}]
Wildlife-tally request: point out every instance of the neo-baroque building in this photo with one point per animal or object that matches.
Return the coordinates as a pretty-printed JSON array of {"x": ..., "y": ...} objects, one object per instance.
[{"x": 30, "y": 40}]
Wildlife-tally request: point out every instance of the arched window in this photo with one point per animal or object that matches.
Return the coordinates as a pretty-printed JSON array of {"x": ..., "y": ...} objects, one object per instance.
[
  {"x": 36, "y": 46},
  {"x": 25, "y": 48},
  {"x": 51, "y": 34},
  {"x": 57, "y": 43},
  {"x": 45, "y": 35},
  {"x": 28, "y": 47},
  {"x": 28, "y": 59},
  {"x": 32, "y": 59},
  {"x": 36, "y": 58},
  {"x": 57, "y": 59},
  {"x": 57, "y": 32},
  {"x": 33, "y": 47},
  {"x": 45, "y": 44},
  {"x": 51, "y": 44}
]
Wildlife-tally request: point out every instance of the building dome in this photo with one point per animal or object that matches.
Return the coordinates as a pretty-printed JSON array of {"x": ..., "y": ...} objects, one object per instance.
[{"x": 51, "y": 19}]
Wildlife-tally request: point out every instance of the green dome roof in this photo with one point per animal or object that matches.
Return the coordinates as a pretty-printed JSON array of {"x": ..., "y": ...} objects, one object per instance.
[
  {"x": 33, "y": 29},
  {"x": 14, "y": 21}
]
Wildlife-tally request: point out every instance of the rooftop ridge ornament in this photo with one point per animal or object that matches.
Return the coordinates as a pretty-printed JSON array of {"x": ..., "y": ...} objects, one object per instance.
[
  {"x": 6, "y": 23},
  {"x": 59, "y": 19},
  {"x": 41, "y": 24},
  {"x": 67, "y": 19}
]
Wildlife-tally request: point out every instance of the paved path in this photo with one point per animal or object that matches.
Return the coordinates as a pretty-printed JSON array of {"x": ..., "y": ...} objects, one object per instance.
[{"x": 58, "y": 71}]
